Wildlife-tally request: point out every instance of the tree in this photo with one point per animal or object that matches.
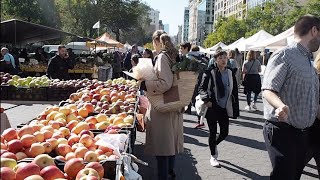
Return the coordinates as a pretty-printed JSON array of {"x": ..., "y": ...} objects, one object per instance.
[
  {"x": 120, "y": 15},
  {"x": 227, "y": 31},
  {"x": 36, "y": 11}
]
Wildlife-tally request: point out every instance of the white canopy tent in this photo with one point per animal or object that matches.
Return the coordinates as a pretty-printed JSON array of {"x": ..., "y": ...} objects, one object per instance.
[
  {"x": 212, "y": 49},
  {"x": 234, "y": 44},
  {"x": 253, "y": 40},
  {"x": 127, "y": 46},
  {"x": 278, "y": 41}
]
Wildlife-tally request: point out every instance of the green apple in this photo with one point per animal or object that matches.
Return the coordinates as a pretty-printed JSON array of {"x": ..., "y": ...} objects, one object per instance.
[
  {"x": 8, "y": 162},
  {"x": 15, "y": 77}
]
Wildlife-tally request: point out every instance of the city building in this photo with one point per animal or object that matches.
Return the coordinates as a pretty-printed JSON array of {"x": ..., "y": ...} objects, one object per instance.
[
  {"x": 161, "y": 26},
  {"x": 193, "y": 20},
  {"x": 226, "y": 8},
  {"x": 154, "y": 16},
  {"x": 205, "y": 19},
  {"x": 185, "y": 33},
  {"x": 179, "y": 35},
  {"x": 254, "y": 3},
  {"x": 166, "y": 28}
]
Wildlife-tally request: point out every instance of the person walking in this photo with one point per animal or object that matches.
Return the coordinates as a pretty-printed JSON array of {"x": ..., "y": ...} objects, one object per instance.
[
  {"x": 234, "y": 65},
  {"x": 291, "y": 100},
  {"x": 251, "y": 80},
  {"x": 314, "y": 151},
  {"x": 164, "y": 133},
  {"x": 219, "y": 91},
  {"x": 9, "y": 61},
  {"x": 60, "y": 64}
]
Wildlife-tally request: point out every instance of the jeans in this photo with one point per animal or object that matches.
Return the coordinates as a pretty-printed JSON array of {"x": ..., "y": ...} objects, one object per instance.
[
  {"x": 287, "y": 148},
  {"x": 165, "y": 167},
  {"x": 217, "y": 115},
  {"x": 249, "y": 97}
]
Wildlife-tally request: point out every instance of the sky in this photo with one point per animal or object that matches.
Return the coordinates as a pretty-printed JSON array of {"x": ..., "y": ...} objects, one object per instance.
[{"x": 171, "y": 12}]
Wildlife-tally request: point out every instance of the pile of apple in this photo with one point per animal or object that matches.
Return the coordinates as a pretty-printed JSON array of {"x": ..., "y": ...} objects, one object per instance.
[
  {"x": 116, "y": 122},
  {"x": 112, "y": 97},
  {"x": 43, "y": 167}
]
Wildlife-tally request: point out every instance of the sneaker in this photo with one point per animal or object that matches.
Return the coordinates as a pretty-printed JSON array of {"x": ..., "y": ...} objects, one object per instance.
[
  {"x": 214, "y": 162},
  {"x": 198, "y": 126},
  {"x": 253, "y": 106},
  {"x": 248, "y": 108}
]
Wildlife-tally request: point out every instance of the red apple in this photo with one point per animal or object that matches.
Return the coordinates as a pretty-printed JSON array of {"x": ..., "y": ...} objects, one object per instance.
[
  {"x": 97, "y": 166},
  {"x": 73, "y": 139},
  {"x": 15, "y": 146},
  {"x": 3, "y": 151},
  {"x": 73, "y": 166},
  {"x": 9, "y": 155},
  {"x": 63, "y": 149},
  {"x": 27, "y": 140},
  {"x": 91, "y": 156},
  {"x": 35, "y": 150},
  {"x": 9, "y": 134},
  {"x": 25, "y": 130},
  {"x": 21, "y": 155},
  {"x": 7, "y": 173},
  {"x": 34, "y": 177},
  {"x": 86, "y": 140},
  {"x": 25, "y": 170},
  {"x": 51, "y": 173}
]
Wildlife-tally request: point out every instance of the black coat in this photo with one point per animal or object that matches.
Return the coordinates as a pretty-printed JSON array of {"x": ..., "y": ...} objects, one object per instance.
[
  {"x": 58, "y": 68},
  {"x": 204, "y": 91}
]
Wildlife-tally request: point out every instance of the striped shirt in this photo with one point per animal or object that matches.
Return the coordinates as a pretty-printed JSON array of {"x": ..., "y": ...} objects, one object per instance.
[{"x": 290, "y": 73}]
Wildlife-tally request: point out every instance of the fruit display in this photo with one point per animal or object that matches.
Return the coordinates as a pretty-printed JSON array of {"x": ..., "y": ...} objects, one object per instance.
[
  {"x": 29, "y": 82},
  {"x": 112, "y": 97}
]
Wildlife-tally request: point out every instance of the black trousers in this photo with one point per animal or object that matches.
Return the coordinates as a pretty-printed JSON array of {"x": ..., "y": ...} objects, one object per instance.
[
  {"x": 165, "y": 167},
  {"x": 217, "y": 115},
  {"x": 314, "y": 148},
  {"x": 287, "y": 148}
]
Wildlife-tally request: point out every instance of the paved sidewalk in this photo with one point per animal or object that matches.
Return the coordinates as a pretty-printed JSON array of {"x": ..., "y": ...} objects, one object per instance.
[{"x": 242, "y": 154}]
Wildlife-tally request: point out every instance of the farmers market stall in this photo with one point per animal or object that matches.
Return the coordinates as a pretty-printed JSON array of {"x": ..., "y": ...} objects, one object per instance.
[{"x": 91, "y": 130}]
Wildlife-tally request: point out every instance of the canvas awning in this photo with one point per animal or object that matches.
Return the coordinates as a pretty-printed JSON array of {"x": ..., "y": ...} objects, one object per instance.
[
  {"x": 213, "y": 49},
  {"x": 106, "y": 41},
  {"x": 234, "y": 44},
  {"x": 18, "y": 32},
  {"x": 253, "y": 40},
  {"x": 278, "y": 41}
]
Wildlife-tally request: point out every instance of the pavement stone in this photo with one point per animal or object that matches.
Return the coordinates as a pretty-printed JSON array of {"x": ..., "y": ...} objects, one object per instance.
[{"x": 242, "y": 154}]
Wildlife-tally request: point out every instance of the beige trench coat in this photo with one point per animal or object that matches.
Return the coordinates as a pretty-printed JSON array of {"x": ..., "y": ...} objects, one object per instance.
[{"x": 164, "y": 133}]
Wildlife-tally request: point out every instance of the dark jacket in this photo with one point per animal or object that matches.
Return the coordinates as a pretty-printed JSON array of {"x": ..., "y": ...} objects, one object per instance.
[
  {"x": 58, "y": 68},
  {"x": 209, "y": 94}
]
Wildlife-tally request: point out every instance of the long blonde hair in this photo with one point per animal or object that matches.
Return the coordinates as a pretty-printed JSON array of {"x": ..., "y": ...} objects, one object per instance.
[
  {"x": 317, "y": 63},
  {"x": 251, "y": 55},
  {"x": 166, "y": 43}
]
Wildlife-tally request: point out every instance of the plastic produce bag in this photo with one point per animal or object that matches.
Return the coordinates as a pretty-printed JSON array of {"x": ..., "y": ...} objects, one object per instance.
[
  {"x": 116, "y": 142},
  {"x": 130, "y": 169},
  {"x": 144, "y": 70}
]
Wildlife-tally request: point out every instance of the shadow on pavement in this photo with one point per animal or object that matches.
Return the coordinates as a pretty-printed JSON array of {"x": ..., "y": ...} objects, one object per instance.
[
  {"x": 196, "y": 132},
  {"x": 252, "y": 119},
  {"x": 190, "y": 140},
  {"x": 242, "y": 171},
  {"x": 246, "y": 124},
  {"x": 311, "y": 174},
  {"x": 246, "y": 142},
  {"x": 185, "y": 166}
]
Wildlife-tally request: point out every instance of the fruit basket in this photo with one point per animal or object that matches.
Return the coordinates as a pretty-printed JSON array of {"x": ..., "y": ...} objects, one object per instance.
[
  {"x": 27, "y": 94},
  {"x": 4, "y": 92},
  {"x": 57, "y": 94}
]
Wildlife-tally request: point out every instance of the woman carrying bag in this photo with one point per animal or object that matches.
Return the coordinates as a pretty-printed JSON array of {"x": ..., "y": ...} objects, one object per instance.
[
  {"x": 164, "y": 132},
  {"x": 219, "y": 91},
  {"x": 251, "y": 80}
]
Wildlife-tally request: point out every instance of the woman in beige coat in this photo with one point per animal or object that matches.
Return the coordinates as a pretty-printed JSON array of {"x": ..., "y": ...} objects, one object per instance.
[{"x": 164, "y": 134}]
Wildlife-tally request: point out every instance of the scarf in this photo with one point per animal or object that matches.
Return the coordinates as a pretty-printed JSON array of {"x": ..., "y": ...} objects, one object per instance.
[{"x": 220, "y": 86}]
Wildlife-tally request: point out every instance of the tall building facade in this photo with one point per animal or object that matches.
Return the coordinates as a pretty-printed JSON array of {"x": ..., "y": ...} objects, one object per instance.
[
  {"x": 179, "y": 35},
  {"x": 154, "y": 16},
  {"x": 166, "y": 28},
  {"x": 185, "y": 33},
  {"x": 226, "y": 8},
  {"x": 161, "y": 26},
  {"x": 205, "y": 19},
  {"x": 193, "y": 20}
]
